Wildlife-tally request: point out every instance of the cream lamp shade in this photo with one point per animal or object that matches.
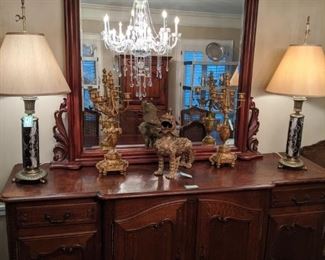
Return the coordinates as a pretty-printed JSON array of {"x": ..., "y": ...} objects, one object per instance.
[
  {"x": 28, "y": 67},
  {"x": 301, "y": 72}
]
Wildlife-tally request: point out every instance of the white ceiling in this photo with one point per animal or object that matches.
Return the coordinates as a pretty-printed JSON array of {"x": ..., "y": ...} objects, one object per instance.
[{"x": 210, "y": 6}]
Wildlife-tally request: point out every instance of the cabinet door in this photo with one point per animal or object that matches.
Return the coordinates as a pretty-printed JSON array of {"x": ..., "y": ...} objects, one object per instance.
[
  {"x": 228, "y": 231},
  {"x": 78, "y": 246},
  {"x": 296, "y": 236},
  {"x": 154, "y": 231}
]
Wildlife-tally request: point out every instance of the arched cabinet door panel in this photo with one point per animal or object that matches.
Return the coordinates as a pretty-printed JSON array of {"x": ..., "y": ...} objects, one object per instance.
[
  {"x": 296, "y": 236},
  {"x": 156, "y": 231},
  {"x": 228, "y": 231}
]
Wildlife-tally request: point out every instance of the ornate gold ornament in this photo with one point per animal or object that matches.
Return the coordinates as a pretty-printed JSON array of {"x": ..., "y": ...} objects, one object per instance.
[
  {"x": 177, "y": 149},
  {"x": 225, "y": 100},
  {"x": 110, "y": 105}
]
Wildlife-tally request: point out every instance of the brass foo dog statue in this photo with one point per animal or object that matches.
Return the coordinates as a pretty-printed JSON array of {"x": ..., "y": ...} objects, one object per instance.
[
  {"x": 178, "y": 149},
  {"x": 110, "y": 106}
]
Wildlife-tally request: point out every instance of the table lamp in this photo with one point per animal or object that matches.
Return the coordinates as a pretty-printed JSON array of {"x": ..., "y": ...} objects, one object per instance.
[
  {"x": 28, "y": 68},
  {"x": 301, "y": 74}
]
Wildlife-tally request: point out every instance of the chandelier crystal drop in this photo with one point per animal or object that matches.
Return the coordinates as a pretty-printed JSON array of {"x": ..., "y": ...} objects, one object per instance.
[{"x": 140, "y": 42}]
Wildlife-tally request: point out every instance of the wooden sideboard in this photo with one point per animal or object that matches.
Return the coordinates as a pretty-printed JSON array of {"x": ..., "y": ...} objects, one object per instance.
[{"x": 253, "y": 212}]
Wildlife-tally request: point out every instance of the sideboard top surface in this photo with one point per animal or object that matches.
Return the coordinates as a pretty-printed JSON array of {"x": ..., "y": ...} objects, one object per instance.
[{"x": 140, "y": 181}]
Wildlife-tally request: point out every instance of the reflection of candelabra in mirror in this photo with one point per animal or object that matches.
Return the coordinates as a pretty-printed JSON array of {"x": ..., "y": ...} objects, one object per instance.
[
  {"x": 210, "y": 103},
  {"x": 110, "y": 105},
  {"x": 226, "y": 102}
]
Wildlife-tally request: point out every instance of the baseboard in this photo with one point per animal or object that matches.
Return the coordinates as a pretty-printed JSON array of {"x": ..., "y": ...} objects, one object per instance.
[{"x": 2, "y": 209}]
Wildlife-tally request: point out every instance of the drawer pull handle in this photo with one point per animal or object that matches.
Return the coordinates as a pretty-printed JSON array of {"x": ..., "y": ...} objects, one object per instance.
[
  {"x": 306, "y": 200},
  {"x": 223, "y": 219},
  {"x": 51, "y": 220}
]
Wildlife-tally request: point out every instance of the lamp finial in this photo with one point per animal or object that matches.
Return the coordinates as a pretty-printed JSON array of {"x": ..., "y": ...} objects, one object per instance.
[
  {"x": 307, "y": 31},
  {"x": 22, "y": 17}
]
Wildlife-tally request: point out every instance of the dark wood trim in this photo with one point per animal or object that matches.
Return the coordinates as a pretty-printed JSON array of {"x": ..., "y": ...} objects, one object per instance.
[
  {"x": 246, "y": 71},
  {"x": 253, "y": 127},
  {"x": 72, "y": 48},
  {"x": 77, "y": 156},
  {"x": 61, "y": 148}
]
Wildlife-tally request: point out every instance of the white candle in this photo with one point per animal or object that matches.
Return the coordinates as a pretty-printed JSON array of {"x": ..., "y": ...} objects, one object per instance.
[
  {"x": 164, "y": 15},
  {"x": 120, "y": 28},
  {"x": 176, "y": 25},
  {"x": 106, "y": 22}
]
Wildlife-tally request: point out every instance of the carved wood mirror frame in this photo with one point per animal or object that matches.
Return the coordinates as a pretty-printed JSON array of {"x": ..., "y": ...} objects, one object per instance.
[{"x": 69, "y": 151}]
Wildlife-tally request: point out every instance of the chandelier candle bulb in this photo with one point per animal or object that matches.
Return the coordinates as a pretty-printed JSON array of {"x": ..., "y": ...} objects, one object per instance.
[
  {"x": 120, "y": 29},
  {"x": 164, "y": 15},
  {"x": 106, "y": 22},
  {"x": 176, "y": 25}
]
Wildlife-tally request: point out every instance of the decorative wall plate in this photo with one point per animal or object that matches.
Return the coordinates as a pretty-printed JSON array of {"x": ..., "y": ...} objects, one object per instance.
[{"x": 215, "y": 51}]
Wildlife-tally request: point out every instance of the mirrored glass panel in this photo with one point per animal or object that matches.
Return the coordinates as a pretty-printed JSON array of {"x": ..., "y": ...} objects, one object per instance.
[{"x": 183, "y": 81}]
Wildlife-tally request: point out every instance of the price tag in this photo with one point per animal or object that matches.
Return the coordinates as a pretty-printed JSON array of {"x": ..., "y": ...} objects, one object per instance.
[
  {"x": 28, "y": 121},
  {"x": 191, "y": 187}
]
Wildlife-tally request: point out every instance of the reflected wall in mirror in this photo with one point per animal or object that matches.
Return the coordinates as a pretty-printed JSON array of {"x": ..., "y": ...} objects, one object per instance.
[
  {"x": 217, "y": 37},
  {"x": 210, "y": 44}
]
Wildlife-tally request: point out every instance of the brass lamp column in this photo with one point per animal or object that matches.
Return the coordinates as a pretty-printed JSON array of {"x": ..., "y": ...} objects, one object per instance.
[
  {"x": 28, "y": 69},
  {"x": 301, "y": 73}
]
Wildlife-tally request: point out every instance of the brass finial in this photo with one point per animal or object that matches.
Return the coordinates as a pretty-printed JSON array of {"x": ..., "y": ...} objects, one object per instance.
[
  {"x": 307, "y": 32},
  {"x": 22, "y": 17}
]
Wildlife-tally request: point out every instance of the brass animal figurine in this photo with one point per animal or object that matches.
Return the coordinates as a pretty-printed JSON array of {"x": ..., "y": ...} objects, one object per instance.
[
  {"x": 150, "y": 127},
  {"x": 177, "y": 149}
]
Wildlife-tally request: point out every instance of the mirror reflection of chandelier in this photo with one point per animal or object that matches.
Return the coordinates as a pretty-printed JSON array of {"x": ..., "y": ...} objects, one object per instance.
[{"x": 140, "y": 42}]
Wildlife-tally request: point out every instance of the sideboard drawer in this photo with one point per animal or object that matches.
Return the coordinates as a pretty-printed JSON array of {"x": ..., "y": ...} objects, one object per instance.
[
  {"x": 301, "y": 195},
  {"x": 61, "y": 214}
]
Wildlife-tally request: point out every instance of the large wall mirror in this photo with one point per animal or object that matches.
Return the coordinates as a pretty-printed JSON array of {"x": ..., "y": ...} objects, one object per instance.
[{"x": 217, "y": 37}]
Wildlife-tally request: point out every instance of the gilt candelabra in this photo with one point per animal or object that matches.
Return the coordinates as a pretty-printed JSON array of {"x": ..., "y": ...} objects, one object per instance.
[
  {"x": 226, "y": 103},
  {"x": 110, "y": 104},
  {"x": 209, "y": 120}
]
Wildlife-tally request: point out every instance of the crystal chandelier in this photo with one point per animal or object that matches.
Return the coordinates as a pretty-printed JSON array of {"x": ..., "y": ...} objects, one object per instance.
[{"x": 140, "y": 42}]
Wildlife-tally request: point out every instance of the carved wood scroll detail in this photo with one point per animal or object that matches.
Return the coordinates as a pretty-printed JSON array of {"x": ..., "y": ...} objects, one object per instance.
[
  {"x": 253, "y": 127},
  {"x": 61, "y": 148}
]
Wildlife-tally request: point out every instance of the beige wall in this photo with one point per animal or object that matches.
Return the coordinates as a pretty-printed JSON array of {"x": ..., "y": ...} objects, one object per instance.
[
  {"x": 280, "y": 23},
  {"x": 44, "y": 16}
]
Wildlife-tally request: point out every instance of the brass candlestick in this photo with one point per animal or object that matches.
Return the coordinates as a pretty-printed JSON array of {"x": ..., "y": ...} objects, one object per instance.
[
  {"x": 225, "y": 100},
  {"x": 110, "y": 105}
]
